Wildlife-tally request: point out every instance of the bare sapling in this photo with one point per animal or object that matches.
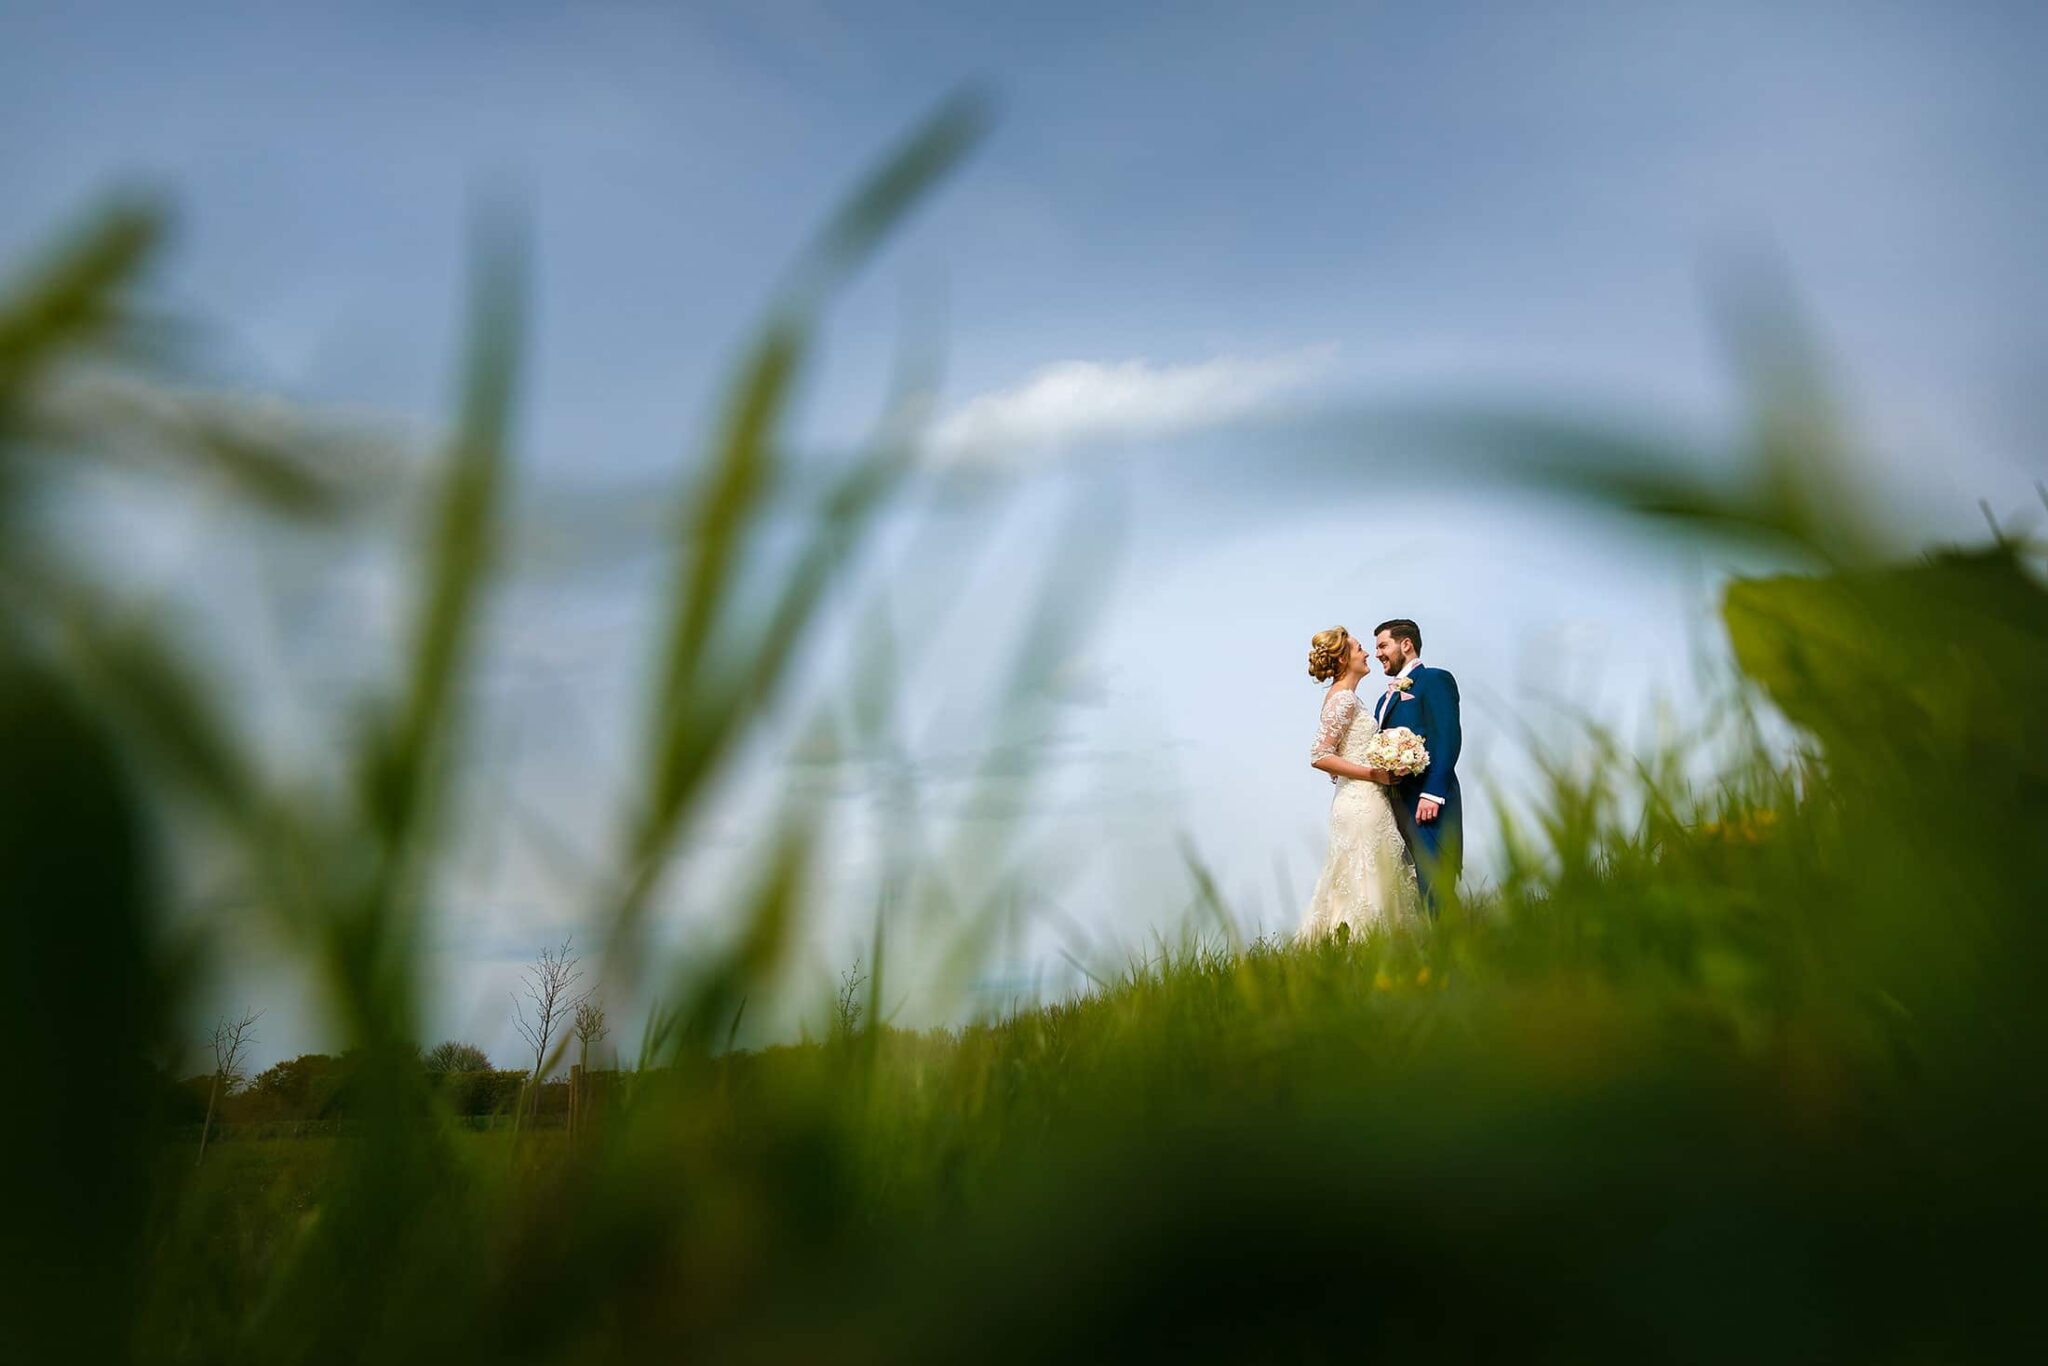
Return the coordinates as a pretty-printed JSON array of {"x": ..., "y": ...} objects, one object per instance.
[
  {"x": 588, "y": 1027},
  {"x": 231, "y": 1040},
  {"x": 547, "y": 1005},
  {"x": 848, "y": 1008}
]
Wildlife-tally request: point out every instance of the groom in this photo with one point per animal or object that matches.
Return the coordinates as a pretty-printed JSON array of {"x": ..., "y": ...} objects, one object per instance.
[{"x": 1428, "y": 806}]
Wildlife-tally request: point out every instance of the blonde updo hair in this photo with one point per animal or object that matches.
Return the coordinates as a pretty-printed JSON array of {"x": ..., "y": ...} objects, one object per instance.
[{"x": 1326, "y": 653}]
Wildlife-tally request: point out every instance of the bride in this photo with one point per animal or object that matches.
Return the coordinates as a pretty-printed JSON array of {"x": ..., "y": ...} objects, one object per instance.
[{"x": 1367, "y": 878}]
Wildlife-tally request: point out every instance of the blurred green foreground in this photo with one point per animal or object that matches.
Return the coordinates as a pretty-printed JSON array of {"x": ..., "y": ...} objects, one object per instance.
[{"x": 1749, "y": 1069}]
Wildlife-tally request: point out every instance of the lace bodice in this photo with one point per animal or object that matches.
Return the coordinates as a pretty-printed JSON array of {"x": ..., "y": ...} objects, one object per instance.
[{"x": 1346, "y": 729}]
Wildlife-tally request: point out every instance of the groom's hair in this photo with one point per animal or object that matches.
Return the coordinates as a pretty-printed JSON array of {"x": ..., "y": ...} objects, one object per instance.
[{"x": 1402, "y": 629}]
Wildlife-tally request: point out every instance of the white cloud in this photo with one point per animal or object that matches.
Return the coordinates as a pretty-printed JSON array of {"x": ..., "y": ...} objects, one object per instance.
[{"x": 1076, "y": 402}]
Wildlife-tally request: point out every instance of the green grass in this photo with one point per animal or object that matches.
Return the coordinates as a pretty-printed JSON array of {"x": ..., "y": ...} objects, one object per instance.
[{"x": 1740, "y": 1067}]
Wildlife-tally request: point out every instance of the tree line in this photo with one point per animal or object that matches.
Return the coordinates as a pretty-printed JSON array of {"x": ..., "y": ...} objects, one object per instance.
[
  {"x": 321, "y": 1086},
  {"x": 548, "y": 1012}
]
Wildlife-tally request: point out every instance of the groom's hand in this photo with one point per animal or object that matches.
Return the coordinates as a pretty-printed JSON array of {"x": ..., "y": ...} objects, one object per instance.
[{"x": 1425, "y": 810}]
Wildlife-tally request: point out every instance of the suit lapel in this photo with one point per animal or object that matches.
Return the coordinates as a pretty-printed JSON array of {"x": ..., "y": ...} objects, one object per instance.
[{"x": 1386, "y": 707}]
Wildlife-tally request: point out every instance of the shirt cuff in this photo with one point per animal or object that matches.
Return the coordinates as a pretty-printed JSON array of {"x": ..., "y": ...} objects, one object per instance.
[{"x": 1432, "y": 797}]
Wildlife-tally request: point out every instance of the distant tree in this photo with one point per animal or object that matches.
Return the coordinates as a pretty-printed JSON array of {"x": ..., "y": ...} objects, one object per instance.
[
  {"x": 588, "y": 1027},
  {"x": 550, "y": 988},
  {"x": 231, "y": 1040},
  {"x": 454, "y": 1056},
  {"x": 482, "y": 1093},
  {"x": 847, "y": 1009},
  {"x": 305, "y": 1087}
]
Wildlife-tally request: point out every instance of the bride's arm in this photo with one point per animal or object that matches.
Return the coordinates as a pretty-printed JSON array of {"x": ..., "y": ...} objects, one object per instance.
[{"x": 1344, "y": 768}]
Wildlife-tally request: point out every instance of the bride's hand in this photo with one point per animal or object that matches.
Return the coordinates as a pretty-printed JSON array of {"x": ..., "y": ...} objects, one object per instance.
[{"x": 1382, "y": 777}]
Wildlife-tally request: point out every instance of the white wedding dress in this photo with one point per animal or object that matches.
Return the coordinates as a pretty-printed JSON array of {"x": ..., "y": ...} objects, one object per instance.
[{"x": 1367, "y": 879}]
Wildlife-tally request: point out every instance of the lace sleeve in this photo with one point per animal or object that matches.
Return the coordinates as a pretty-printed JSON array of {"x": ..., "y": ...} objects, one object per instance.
[{"x": 1337, "y": 714}]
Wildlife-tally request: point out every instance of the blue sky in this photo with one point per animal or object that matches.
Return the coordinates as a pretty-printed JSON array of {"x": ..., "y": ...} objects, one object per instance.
[{"x": 1187, "y": 216}]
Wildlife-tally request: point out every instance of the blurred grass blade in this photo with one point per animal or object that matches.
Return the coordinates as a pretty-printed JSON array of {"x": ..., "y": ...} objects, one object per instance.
[
  {"x": 1801, "y": 462},
  {"x": 1790, "y": 481},
  {"x": 461, "y": 531},
  {"x": 873, "y": 212},
  {"x": 716, "y": 995},
  {"x": 1208, "y": 896},
  {"x": 696, "y": 711},
  {"x": 324, "y": 1307},
  {"x": 73, "y": 300},
  {"x": 77, "y": 894},
  {"x": 141, "y": 678},
  {"x": 281, "y": 462},
  {"x": 405, "y": 758}
]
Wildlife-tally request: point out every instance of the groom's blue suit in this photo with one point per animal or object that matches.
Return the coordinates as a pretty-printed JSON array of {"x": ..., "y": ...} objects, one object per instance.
[{"x": 1430, "y": 709}]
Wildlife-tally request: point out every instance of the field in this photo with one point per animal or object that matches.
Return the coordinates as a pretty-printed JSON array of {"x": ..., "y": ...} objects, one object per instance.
[
  {"x": 1744, "y": 1066},
  {"x": 1637, "y": 1123}
]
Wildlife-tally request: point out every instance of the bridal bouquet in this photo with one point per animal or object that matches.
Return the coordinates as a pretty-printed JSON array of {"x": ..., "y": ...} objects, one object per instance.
[{"x": 1399, "y": 751}]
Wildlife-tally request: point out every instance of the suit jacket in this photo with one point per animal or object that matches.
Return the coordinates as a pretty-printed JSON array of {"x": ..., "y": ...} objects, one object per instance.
[{"x": 1430, "y": 709}]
